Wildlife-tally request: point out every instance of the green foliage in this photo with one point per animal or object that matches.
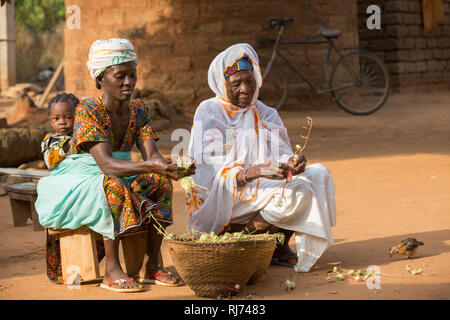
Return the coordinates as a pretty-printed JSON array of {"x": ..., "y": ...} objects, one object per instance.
[{"x": 39, "y": 15}]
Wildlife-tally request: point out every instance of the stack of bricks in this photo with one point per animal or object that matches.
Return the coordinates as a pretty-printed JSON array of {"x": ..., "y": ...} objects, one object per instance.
[
  {"x": 176, "y": 40},
  {"x": 415, "y": 59}
]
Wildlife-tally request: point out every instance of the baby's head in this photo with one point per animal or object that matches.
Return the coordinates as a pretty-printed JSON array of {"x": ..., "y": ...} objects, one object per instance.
[{"x": 61, "y": 112}]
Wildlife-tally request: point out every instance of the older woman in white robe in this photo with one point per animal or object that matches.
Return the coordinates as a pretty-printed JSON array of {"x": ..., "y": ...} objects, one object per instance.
[{"x": 243, "y": 155}]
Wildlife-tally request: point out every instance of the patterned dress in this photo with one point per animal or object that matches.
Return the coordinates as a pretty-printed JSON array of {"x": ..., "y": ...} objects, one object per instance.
[{"x": 131, "y": 199}]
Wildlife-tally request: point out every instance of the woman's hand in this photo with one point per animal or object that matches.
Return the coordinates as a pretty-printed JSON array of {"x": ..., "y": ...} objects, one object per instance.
[
  {"x": 161, "y": 166},
  {"x": 273, "y": 170},
  {"x": 297, "y": 167},
  {"x": 190, "y": 170},
  {"x": 269, "y": 170}
]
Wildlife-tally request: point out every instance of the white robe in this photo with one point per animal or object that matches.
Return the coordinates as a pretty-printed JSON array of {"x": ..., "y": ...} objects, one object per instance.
[{"x": 307, "y": 207}]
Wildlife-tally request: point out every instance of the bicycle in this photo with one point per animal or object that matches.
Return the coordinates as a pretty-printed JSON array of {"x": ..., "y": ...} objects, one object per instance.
[{"x": 359, "y": 81}]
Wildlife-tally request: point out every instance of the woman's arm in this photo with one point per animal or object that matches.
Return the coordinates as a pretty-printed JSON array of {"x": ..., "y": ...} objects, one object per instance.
[
  {"x": 111, "y": 166},
  {"x": 270, "y": 170},
  {"x": 149, "y": 150}
]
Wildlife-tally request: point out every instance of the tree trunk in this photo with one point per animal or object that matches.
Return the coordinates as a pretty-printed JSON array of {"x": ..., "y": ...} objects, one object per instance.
[{"x": 19, "y": 145}]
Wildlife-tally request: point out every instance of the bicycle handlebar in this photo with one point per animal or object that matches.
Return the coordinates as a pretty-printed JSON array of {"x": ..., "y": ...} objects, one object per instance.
[{"x": 277, "y": 23}]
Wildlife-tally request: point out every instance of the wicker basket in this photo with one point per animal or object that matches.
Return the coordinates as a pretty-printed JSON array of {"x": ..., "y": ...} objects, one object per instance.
[
  {"x": 265, "y": 253},
  {"x": 213, "y": 269}
]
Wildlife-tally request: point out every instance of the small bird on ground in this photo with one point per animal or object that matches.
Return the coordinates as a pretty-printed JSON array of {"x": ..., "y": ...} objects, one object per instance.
[{"x": 407, "y": 247}]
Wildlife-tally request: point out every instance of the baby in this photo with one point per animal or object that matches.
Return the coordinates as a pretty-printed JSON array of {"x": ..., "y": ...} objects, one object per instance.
[{"x": 61, "y": 112}]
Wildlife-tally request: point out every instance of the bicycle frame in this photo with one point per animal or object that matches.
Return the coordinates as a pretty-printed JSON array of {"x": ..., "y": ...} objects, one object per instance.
[{"x": 331, "y": 46}]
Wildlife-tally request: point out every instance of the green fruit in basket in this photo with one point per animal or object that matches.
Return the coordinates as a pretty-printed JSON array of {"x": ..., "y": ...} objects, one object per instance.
[
  {"x": 225, "y": 237},
  {"x": 204, "y": 237},
  {"x": 244, "y": 237}
]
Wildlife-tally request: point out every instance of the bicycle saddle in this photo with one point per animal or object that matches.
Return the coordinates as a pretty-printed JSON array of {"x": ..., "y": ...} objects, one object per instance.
[{"x": 330, "y": 33}]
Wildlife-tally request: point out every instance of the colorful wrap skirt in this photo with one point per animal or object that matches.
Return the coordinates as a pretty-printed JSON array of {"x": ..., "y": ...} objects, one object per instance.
[{"x": 129, "y": 202}]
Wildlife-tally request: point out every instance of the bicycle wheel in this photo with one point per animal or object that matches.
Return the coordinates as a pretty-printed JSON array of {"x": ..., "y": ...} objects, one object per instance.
[
  {"x": 275, "y": 87},
  {"x": 360, "y": 83}
]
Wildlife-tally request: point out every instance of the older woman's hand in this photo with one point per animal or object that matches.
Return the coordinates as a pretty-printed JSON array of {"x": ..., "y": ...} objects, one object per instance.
[
  {"x": 273, "y": 170},
  {"x": 269, "y": 170},
  {"x": 299, "y": 166}
]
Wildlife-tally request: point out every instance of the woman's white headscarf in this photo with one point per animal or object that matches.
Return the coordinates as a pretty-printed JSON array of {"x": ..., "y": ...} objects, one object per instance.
[
  {"x": 225, "y": 59},
  {"x": 111, "y": 52},
  {"x": 226, "y": 139}
]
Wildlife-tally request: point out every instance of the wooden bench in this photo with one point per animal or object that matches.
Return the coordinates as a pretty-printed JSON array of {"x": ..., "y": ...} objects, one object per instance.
[
  {"x": 79, "y": 260},
  {"x": 22, "y": 197}
]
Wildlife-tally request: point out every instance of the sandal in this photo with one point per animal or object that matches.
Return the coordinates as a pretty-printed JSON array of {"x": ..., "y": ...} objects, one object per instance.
[
  {"x": 120, "y": 283},
  {"x": 153, "y": 280}
]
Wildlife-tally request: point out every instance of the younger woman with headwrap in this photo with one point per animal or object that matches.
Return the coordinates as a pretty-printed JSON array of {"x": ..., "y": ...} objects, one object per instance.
[{"x": 97, "y": 185}]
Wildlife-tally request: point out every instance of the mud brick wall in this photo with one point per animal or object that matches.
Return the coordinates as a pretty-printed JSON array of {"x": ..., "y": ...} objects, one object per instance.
[
  {"x": 176, "y": 40},
  {"x": 416, "y": 60}
]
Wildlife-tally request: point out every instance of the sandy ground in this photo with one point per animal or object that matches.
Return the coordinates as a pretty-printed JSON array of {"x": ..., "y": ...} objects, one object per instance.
[{"x": 392, "y": 177}]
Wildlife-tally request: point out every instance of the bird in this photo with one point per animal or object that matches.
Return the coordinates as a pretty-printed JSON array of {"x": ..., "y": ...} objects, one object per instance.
[
  {"x": 407, "y": 247},
  {"x": 46, "y": 74}
]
